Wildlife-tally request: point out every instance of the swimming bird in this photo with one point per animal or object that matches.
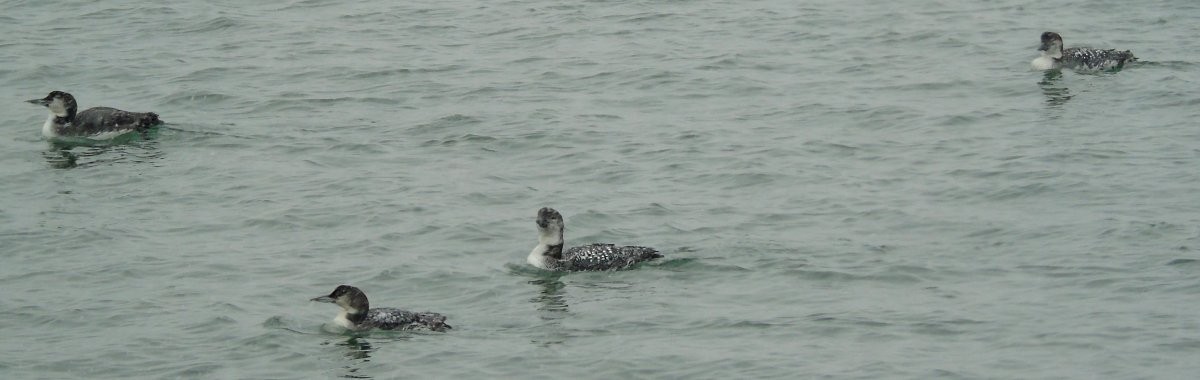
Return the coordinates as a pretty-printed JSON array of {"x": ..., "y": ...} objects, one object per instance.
[
  {"x": 98, "y": 123},
  {"x": 549, "y": 254},
  {"x": 357, "y": 314},
  {"x": 1055, "y": 57}
]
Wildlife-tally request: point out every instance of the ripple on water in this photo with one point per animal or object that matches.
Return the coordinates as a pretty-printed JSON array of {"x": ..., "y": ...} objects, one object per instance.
[{"x": 829, "y": 203}]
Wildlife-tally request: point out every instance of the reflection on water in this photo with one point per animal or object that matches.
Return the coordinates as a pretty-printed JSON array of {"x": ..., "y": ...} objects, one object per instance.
[
  {"x": 552, "y": 308},
  {"x": 61, "y": 158},
  {"x": 1056, "y": 96},
  {"x": 68, "y": 154},
  {"x": 550, "y": 298},
  {"x": 358, "y": 350}
]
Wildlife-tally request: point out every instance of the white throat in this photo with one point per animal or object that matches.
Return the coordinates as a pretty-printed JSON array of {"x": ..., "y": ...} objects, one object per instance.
[
  {"x": 50, "y": 128},
  {"x": 341, "y": 320},
  {"x": 538, "y": 257},
  {"x": 1049, "y": 59},
  {"x": 1054, "y": 52},
  {"x": 546, "y": 238},
  {"x": 1045, "y": 62},
  {"x": 550, "y": 236}
]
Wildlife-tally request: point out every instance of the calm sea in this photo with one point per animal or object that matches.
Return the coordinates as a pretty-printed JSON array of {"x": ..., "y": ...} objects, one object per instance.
[{"x": 843, "y": 189}]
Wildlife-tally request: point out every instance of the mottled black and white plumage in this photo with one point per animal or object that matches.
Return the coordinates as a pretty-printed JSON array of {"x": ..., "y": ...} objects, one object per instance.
[
  {"x": 357, "y": 314},
  {"x": 1055, "y": 57},
  {"x": 99, "y": 123},
  {"x": 549, "y": 252}
]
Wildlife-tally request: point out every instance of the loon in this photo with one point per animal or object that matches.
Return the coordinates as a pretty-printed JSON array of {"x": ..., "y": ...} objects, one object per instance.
[
  {"x": 549, "y": 252},
  {"x": 357, "y": 314},
  {"x": 100, "y": 123},
  {"x": 1055, "y": 57}
]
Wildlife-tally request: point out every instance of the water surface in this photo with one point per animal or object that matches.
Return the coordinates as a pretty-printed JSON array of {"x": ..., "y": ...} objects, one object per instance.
[{"x": 843, "y": 190}]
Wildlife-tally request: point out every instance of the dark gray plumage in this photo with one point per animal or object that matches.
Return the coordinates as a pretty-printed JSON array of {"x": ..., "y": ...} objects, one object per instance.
[
  {"x": 1054, "y": 56},
  {"x": 66, "y": 121},
  {"x": 358, "y": 315},
  {"x": 549, "y": 254}
]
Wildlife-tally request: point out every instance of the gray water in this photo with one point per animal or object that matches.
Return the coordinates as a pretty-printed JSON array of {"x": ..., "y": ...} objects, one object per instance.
[{"x": 842, "y": 189}]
